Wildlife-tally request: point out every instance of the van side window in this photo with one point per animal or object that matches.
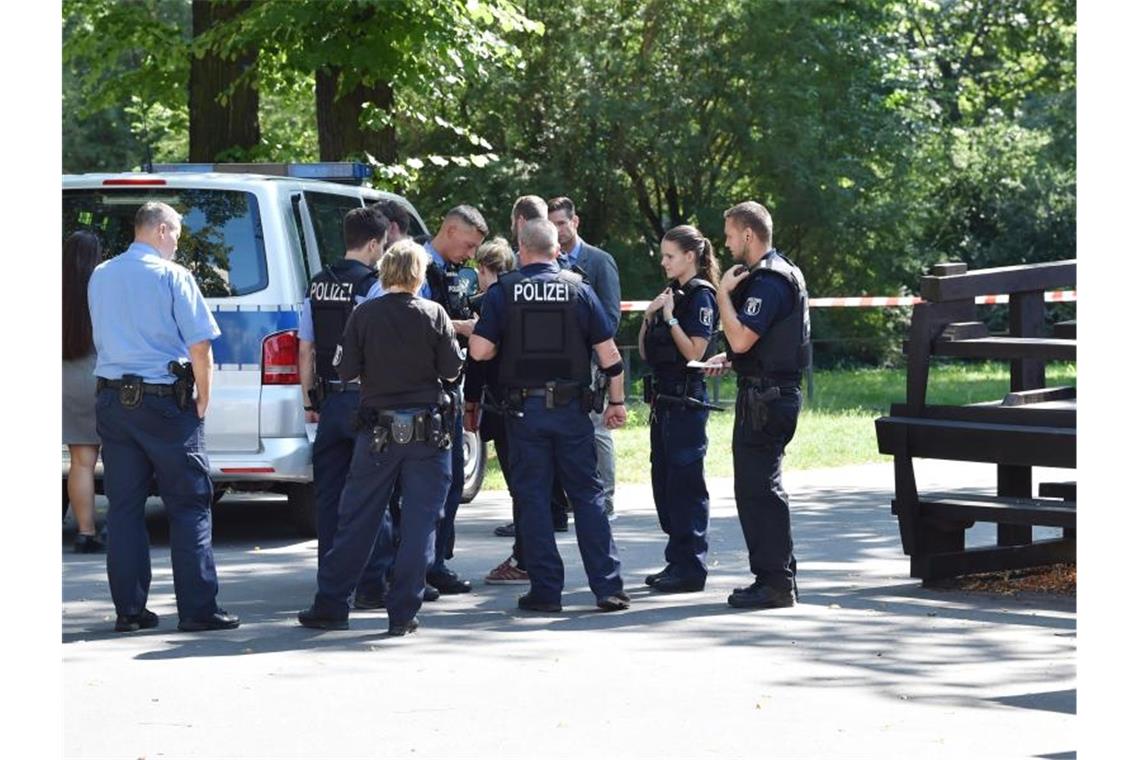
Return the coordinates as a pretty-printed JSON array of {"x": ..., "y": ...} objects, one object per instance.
[
  {"x": 222, "y": 241},
  {"x": 327, "y": 212}
]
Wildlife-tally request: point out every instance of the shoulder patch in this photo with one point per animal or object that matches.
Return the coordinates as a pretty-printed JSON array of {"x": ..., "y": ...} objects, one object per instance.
[
  {"x": 752, "y": 306},
  {"x": 706, "y": 315},
  {"x": 337, "y": 356}
]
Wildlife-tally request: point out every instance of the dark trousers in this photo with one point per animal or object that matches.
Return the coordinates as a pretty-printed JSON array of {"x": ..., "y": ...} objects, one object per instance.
[
  {"x": 445, "y": 535},
  {"x": 678, "y": 443},
  {"x": 761, "y": 503},
  {"x": 503, "y": 453},
  {"x": 157, "y": 440},
  {"x": 544, "y": 441},
  {"x": 332, "y": 454},
  {"x": 425, "y": 474}
]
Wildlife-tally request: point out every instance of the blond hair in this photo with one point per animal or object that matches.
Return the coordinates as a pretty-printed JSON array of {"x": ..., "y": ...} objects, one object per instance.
[
  {"x": 404, "y": 265},
  {"x": 496, "y": 255},
  {"x": 751, "y": 215}
]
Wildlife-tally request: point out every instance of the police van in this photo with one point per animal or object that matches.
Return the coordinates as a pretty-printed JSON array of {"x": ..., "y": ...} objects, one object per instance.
[{"x": 253, "y": 236}]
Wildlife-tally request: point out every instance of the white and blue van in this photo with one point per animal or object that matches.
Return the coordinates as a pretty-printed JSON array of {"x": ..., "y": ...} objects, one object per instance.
[{"x": 252, "y": 235}]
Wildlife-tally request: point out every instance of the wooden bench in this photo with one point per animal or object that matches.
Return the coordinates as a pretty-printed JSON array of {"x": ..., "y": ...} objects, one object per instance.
[{"x": 1032, "y": 426}]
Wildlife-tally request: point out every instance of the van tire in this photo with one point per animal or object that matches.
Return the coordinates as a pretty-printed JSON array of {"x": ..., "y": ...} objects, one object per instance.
[
  {"x": 473, "y": 470},
  {"x": 303, "y": 506}
]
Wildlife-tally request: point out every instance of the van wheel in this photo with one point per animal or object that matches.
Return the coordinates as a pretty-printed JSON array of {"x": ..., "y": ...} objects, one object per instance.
[
  {"x": 303, "y": 506},
  {"x": 474, "y": 465}
]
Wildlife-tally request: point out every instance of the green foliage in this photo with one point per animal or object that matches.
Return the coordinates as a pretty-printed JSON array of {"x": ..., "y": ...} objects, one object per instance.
[{"x": 884, "y": 135}]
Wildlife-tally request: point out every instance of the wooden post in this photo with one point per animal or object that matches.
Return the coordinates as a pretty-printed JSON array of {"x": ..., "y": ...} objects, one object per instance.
[
  {"x": 1027, "y": 320},
  {"x": 1014, "y": 481}
]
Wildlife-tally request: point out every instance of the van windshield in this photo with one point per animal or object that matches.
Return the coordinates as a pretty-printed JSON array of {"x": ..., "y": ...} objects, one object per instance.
[{"x": 221, "y": 244}]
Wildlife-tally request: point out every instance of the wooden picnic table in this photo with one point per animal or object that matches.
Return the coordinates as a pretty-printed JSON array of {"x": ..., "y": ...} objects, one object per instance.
[{"x": 1032, "y": 426}]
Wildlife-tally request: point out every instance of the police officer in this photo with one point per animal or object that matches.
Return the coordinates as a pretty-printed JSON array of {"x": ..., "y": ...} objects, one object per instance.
[
  {"x": 460, "y": 234},
  {"x": 333, "y": 295},
  {"x": 542, "y": 321},
  {"x": 764, "y": 311},
  {"x": 147, "y": 317},
  {"x": 677, "y": 329},
  {"x": 405, "y": 433}
]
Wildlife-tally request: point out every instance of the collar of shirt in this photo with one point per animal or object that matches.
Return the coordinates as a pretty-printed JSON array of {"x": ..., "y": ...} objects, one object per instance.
[
  {"x": 539, "y": 268},
  {"x": 436, "y": 256},
  {"x": 137, "y": 250},
  {"x": 571, "y": 256}
]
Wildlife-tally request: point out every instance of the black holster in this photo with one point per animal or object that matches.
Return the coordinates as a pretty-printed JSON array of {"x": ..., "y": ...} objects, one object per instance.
[
  {"x": 317, "y": 394},
  {"x": 755, "y": 403},
  {"x": 594, "y": 398},
  {"x": 183, "y": 383}
]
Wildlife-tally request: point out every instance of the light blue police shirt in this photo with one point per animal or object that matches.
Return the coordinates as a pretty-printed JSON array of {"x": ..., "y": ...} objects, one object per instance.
[
  {"x": 305, "y": 330},
  {"x": 437, "y": 257},
  {"x": 145, "y": 311}
]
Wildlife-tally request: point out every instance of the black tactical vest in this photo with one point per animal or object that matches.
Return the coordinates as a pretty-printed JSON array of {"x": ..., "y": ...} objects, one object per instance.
[
  {"x": 785, "y": 351},
  {"x": 660, "y": 349},
  {"x": 543, "y": 340},
  {"x": 448, "y": 290},
  {"x": 332, "y": 297}
]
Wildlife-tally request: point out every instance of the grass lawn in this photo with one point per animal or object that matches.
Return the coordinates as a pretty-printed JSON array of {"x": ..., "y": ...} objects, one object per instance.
[{"x": 835, "y": 428}]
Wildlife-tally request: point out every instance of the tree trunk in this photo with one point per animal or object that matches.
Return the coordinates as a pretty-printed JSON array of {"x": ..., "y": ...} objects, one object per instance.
[
  {"x": 217, "y": 126},
  {"x": 339, "y": 132}
]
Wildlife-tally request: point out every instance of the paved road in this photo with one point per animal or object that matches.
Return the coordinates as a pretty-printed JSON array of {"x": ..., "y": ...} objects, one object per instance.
[{"x": 868, "y": 665}]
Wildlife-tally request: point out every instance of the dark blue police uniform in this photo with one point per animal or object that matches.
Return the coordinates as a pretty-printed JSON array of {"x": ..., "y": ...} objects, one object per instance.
[
  {"x": 404, "y": 436},
  {"x": 772, "y": 302},
  {"x": 333, "y": 294},
  {"x": 678, "y": 439},
  {"x": 445, "y": 287},
  {"x": 544, "y": 323},
  {"x": 145, "y": 312}
]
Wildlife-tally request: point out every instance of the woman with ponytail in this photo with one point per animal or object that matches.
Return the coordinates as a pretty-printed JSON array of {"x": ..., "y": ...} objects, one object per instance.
[
  {"x": 81, "y": 253},
  {"x": 678, "y": 328}
]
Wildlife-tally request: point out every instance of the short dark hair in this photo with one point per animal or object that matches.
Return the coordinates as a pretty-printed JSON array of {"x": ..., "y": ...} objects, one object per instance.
[
  {"x": 395, "y": 212},
  {"x": 82, "y": 252},
  {"x": 529, "y": 207},
  {"x": 561, "y": 203},
  {"x": 751, "y": 215},
  {"x": 362, "y": 225},
  {"x": 470, "y": 216}
]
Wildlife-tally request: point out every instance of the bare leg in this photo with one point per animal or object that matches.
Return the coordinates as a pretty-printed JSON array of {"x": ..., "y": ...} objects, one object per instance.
[{"x": 81, "y": 485}]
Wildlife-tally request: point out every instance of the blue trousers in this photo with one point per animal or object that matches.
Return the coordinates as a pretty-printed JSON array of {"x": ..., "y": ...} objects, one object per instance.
[
  {"x": 160, "y": 441},
  {"x": 424, "y": 471},
  {"x": 545, "y": 441},
  {"x": 445, "y": 536},
  {"x": 678, "y": 443},
  {"x": 332, "y": 454},
  {"x": 761, "y": 503}
]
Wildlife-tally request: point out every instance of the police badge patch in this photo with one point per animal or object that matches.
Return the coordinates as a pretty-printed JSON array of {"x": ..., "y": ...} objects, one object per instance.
[
  {"x": 706, "y": 316},
  {"x": 752, "y": 306},
  {"x": 337, "y": 355}
]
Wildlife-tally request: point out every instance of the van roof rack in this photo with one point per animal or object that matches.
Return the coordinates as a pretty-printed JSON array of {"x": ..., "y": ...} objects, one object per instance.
[{"x": 344, "y": 172}]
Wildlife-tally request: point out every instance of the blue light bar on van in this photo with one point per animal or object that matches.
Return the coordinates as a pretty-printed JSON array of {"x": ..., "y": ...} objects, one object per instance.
[{"x": 329, "y": 171}]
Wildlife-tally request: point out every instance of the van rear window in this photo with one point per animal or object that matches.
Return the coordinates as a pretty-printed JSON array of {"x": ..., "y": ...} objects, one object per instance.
[{"x": 222, "y": 243}]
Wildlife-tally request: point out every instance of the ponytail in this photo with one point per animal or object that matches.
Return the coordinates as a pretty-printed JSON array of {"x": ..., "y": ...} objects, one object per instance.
[{"x": 708, "y": 268}]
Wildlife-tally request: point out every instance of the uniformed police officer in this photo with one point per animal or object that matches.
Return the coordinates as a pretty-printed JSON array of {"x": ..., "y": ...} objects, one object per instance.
[
  {"x": 331, "y": 403},
  {"x": 460, "y": 234},
  {"x": 764, "y": 311},
  {"x": 677, "y": 328},
  {"x": 542, "y": 322},
  {"x": 148, "y": 317},
  {"x": 405, "y": 433}
]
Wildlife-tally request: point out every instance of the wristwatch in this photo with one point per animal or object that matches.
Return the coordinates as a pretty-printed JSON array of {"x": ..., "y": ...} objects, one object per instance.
[{"x": 673, "y": 322}]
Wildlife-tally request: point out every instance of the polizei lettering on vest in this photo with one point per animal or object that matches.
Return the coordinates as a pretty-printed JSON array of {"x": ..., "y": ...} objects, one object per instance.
[
  {"x": 331, "y": 291},
  {"x": 542, "y": 291}
]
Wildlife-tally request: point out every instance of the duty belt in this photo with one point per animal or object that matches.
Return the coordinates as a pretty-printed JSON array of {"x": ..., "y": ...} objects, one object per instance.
[
  {"x": 387, "y": 426},
  {"x": 153, "y": 389},
  {"x": 336, "y": 386}
]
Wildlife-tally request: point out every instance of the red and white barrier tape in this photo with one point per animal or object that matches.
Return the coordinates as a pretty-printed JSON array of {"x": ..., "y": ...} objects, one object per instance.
[{"x": 1053, "y": 296}]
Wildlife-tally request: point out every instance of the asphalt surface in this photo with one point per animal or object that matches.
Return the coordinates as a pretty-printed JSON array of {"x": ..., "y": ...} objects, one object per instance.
[{"x": 869, "y": 664}]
